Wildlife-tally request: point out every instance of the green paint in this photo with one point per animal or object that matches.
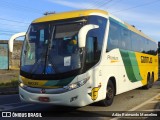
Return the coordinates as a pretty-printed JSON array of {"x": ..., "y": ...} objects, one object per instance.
[
  {"x": 61, "y": 82},
  {"x": 128, "y": 65},
  {"x": 135, "y": 67},
  {"x": 131, "y": 65}
]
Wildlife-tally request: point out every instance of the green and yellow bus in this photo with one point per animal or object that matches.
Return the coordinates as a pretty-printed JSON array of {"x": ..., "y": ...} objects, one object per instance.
[{"x": 80, "y": 57}]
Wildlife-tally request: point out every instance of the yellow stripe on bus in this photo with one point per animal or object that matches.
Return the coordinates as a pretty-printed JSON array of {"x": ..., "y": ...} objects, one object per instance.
[
  {"x": 67, "y": 15},
  {"x": 37, "y": 83}
]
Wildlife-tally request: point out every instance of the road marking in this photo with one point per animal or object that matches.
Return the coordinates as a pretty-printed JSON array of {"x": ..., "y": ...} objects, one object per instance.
[
  {"x": 158, "y": 98},
  {"x": 152, "y": 110},
  {"x": 10, "y": 104},
  {"x": 2, "y": 108},
  {"x": 3, "y": 96},
  {"x": 139, "y": 106},
  {"x": 21, "y": 106},
  {"x": 5, "y": 108},
  {"x": 154, "y": 101}
]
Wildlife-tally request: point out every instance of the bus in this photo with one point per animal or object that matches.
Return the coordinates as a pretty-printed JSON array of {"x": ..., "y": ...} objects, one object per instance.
[{"x": 80, "y": 57}]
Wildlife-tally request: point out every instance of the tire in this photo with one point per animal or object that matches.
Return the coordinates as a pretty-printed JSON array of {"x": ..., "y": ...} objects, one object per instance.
[
  {"x": 149, "y": 82},
  {"x": 152, "y": 80},
  {"x": 109, "y": 95}
]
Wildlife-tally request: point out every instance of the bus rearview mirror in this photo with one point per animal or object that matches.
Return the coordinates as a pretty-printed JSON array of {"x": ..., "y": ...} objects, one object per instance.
[
  {"x": 13, "y": 37},
  {"x": 83, "y": 33}
]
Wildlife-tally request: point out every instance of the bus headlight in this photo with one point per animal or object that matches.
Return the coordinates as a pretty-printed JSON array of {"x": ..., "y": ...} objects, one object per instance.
[
  {"x": 77, "y": 84},
  {"x": 22, "y": 85}
]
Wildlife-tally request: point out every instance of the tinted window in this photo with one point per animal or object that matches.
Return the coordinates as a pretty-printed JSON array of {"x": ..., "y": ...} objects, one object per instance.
[
  {"x": 126, "y": 40},
  {"x": 114, "y": 36},
  {"x": 135, "y": 40},
  {"x": 99, "y": 33},
  {"x": 121, "y": 37},
  {"x": 152, "y": 49},
  {"x": 94, "y": 41},
  {"x": 91, "y": 46}
]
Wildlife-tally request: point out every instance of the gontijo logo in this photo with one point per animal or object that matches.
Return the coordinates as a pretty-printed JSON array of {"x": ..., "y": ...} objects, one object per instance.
[
  {"x": 32, "y": 83},
  {"x": 145, "y": 59}
]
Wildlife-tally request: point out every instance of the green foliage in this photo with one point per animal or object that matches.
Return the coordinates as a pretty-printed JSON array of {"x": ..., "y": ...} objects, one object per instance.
[{"x": 13, "y": 83}]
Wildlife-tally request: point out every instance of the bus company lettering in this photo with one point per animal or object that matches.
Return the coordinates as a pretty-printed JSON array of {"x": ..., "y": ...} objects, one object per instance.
[
  {"x": 145, "y": 59},
  {"x": 112, "y": 58},
  {"x": 32, "y": 83}
]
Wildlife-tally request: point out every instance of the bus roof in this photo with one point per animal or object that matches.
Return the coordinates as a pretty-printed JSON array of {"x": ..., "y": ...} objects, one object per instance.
[
  {"x": 130, "y": 27},
  {"x": 70, "y": 14},
  {"x": 80, "y": 13}
]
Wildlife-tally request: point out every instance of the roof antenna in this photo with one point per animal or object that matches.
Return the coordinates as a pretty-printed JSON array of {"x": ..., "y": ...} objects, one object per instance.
[
  {"x": 133, "y": 26},
  {"x": 48, "y": 13}
]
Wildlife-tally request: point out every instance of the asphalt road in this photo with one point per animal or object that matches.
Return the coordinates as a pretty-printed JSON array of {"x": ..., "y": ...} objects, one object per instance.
[{"x": 135, "y": 100}]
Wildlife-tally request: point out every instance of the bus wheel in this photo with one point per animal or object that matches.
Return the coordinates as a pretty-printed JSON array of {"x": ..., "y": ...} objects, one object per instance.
[
  {"x": 152, "y": 80},
  {"x": 149, "y": 82},
  {"x": 109, "y": 95}
]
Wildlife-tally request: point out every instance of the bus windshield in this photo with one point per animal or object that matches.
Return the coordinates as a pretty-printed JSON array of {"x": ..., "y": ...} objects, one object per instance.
[{"x": 51, "y": 48}]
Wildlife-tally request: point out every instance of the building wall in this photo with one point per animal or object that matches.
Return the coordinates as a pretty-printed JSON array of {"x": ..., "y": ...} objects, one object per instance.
[{"x": 14, "y": 58}]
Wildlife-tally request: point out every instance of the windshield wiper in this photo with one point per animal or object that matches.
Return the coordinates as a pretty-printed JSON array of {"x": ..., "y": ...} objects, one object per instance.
[
  {"x": 38, "y": 63},
  {"x": 47, "y": 54}
]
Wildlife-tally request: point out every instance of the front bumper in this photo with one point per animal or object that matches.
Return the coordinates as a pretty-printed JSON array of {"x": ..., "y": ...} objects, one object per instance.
[{"x": 76, "y": 97}]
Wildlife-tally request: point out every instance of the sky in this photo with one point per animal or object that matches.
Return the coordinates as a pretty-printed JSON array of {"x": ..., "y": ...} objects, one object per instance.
[{"x": 16, "y": 15}]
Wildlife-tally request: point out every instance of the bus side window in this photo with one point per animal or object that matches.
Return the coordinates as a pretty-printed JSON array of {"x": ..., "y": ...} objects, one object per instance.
[
  {"x": 125, "y": 39},
  {"x": 91, "y": 50},
  {"x": 114, "y": 37}
]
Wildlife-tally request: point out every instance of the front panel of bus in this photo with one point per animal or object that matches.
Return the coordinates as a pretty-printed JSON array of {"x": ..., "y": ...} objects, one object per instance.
[{"x": 53, "y": 67}]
